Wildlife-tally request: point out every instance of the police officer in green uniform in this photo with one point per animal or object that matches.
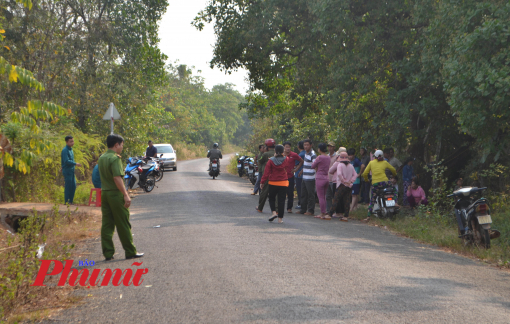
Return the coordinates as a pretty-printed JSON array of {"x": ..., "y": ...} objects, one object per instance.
[
  {"x": 115, "y": 201},
  {"x": 68, "y": 164}
]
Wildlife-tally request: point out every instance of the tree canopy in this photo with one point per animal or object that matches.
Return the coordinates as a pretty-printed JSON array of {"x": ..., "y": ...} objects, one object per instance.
[{"x": 429, "y": 78}]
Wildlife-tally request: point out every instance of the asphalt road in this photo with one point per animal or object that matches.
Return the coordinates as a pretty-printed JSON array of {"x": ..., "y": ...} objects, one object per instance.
[{"x": 216, "y": 260}]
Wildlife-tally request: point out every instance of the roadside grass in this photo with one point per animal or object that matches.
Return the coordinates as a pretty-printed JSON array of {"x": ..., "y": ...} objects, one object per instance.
[
  {"x": 230, "y": 148},
  {"x": 232, "y": 165},
  {"x": 189, "y": 151},
  {"x": 427, "y": 228},
  {"x": 81, "y": 196},
  {"x": 64, "y": 235}
]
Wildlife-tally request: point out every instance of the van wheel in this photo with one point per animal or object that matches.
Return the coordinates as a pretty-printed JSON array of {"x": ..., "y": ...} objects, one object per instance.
[{"x": 175, "y": 168}]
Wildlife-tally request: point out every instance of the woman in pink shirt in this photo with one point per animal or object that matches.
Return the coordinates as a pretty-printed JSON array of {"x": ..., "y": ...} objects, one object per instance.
[
  {"x": 346, "y": 175},
  {"x": 321, "y": 165},
  {"x": 416, "y": 195}
]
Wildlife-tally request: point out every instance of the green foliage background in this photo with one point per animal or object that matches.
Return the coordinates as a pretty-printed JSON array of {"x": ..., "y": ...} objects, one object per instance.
[{"x": 430, "y": 79}]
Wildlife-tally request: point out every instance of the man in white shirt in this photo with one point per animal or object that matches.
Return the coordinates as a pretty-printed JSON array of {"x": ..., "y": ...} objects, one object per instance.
[{"x": 308, "y": 184}]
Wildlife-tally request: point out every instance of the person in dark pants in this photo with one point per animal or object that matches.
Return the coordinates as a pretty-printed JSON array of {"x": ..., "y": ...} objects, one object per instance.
[
  {"x": 346, "y": 176},
  {"x": 270, "y": 143},
  {"x": 68, "y": 165},
  {"x": 115, "y": 201},
  {"x": 294, "y": 159},
  {"x": 308, "y": 185},
  {"x": 276, "y": 178},
  {"x": 298, "y": 175}
]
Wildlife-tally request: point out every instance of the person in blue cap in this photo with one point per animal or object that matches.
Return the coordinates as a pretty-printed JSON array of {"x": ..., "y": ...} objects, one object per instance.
[{"x": 68, "y": 165}]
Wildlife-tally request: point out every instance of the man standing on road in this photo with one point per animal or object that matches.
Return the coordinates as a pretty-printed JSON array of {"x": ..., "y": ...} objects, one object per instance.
[
  {"x": 115, "y": 201},
  {"x": 68, "y": 165},
  {"x": 270, "y": 144},
  {"x": 151, "y": 151},
  {"x": 308, "y": 185},
  {"x": 293, "y": 159},
  {"x": 332, "y": 180}
]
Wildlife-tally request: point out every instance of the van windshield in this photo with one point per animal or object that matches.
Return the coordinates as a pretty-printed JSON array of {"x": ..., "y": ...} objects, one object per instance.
[{"x": 164, "y": 149}]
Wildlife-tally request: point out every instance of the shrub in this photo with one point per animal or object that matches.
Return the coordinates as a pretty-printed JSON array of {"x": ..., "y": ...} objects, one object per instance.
[{"x": 20, "y": 264}]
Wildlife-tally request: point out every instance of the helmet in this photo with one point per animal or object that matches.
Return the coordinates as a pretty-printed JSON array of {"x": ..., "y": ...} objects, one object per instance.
[
  {"x": 378, "y": 153},
  {"x": 270, "y": 142},
  {"x": 215, "y": 145}
]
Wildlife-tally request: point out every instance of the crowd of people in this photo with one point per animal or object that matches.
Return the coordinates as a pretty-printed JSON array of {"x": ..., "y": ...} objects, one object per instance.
[{"x": 340, "y": 179}]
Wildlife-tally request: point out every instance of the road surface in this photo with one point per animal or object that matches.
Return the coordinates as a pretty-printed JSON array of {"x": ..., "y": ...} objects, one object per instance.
[{"x": 216, "y": 260}]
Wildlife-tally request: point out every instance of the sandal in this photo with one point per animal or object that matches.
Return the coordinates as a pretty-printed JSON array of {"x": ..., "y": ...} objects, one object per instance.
[
  {"x": 327, "y": 217},
  {"x": 317, "y": 216},
  {"x": 344, "y": 219},
  {"x": 366, "y": 220}
]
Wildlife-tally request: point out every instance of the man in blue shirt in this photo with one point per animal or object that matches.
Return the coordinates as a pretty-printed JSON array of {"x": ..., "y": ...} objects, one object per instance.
[
  {"x": 68, "y": 165},
  {"x": 151, "y": 151},
  {"x": 299, "y": 173}
]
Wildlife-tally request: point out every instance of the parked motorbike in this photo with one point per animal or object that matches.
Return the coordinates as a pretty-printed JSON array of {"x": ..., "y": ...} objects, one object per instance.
[
  {"x": 246, "y": 165},
  {"x": 215, "y": 170},
  {"x": 473, "y": 217},
  {"x": 251, "y": 170},
  {"x": 240, "y": 164},
  {"x": 138, "y": 174},
  {"x": 255, "y": 171},
  {"x": 158, "y": 168},
  {"x": 386, "y": 203}
]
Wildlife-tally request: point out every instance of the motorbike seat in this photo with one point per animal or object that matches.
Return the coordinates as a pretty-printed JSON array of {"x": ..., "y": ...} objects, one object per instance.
[{"x": 146, "y": 167}]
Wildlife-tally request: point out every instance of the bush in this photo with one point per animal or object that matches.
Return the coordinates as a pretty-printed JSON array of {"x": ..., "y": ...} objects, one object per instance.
[
  {"x": 20, "y": 264},
  {"x": 81, "y": 196},
  {"x": 232, "y": 165}
]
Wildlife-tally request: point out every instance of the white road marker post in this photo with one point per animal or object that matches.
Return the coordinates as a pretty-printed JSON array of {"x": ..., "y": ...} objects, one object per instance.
[{"x": 111, "y": 114}]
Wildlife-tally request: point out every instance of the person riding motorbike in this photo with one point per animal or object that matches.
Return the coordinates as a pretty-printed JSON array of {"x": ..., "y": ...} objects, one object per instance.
[
  {"x": 214, "y": 154},
  {"x": 378, "y": 167}
]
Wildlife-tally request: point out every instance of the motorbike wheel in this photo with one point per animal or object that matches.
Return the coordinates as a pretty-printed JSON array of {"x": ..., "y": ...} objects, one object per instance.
[
  {"x": 486, "y": 237},
  {"x": 159, "y": 175},
  {"x": 213, "y": 177},
  {"x": 253, "y": 180},
  {"x": 150, "y": 183},
  {"x": 240, "y": 173},
  {"x": 481, "y": 236},
  {"x": 126, "y": 183}
]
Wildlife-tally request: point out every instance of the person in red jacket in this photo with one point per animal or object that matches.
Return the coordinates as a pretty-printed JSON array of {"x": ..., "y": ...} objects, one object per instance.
[{"x": 276, "y": 172}]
